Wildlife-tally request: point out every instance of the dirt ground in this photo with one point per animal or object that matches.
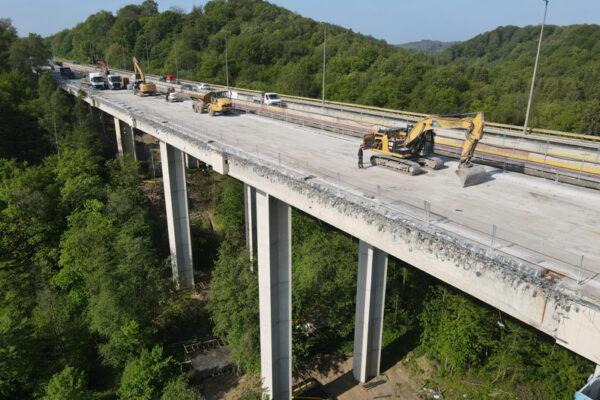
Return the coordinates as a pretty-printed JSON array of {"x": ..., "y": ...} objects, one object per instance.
[{"x": 396, "y": 382}]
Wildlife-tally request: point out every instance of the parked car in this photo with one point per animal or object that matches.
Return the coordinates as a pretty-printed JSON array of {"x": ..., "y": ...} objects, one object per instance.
[
  {"x": 173, "y": 96},
  {"x": 66, "y": 72},
  {"x": 187, "y": 86},
  {"x": 162, "y": 79},
  {"x": 203, "y": 86}
]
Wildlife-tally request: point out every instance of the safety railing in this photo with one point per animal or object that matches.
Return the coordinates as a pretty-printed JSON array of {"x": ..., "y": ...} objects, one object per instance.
[
  {"x": 400, "y": 113},
  {"x": 395, "y": 204}
]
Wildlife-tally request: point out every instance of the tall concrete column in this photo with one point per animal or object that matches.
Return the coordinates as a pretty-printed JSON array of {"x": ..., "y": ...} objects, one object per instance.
[
  {"x": 597, "y": 371},
  {"x": 274, "y": 222},
  {"x": 370, "y": 302},
  {"x": 250, "y": 216},
  {"x": 128, "y": 141},
  {"x": 178, "y": 222},
  {"x": 118, "y": 136}
]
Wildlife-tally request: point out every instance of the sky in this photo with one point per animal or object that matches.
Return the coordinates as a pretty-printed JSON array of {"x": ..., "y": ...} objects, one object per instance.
[{"x": 396, "y": 21}]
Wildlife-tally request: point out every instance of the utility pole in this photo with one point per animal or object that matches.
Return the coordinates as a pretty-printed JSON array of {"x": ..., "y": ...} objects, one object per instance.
[
  {"x": 324, "y": 52},
  {"x": 147, "y": 55},
  {"x": 535, "y": 70},
  {"x": 123, "y": 51},
  {"x": 176, "y": 61},
  {"x": 226, "y": 63}
]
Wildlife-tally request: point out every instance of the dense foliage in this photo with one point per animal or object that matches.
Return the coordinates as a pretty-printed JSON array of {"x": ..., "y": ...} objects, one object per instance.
[
  {"x": 83, "y": 293},
  {"x": 271, "y": 48},
  {"x": 87, "y": 306}
]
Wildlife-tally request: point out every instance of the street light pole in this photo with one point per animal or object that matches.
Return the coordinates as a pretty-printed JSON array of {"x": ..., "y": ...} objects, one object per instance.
[
  {"x": 176, "y": 61},
  {"x": 535, "y": 70},
  {"x": 324, "y": 50},
  {"x": 226, "y": 63},
  {"x": 123, "y": 51},
  {"x": 147, "y": 56}
]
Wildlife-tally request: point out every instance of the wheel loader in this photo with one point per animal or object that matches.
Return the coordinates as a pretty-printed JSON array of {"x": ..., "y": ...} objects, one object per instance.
[{"x": 409, "y": 149}]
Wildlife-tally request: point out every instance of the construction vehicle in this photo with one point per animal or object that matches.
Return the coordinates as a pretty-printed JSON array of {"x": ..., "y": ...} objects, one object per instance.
[
  {"x": 113, "y": 81},
  {"x": 140, "y": 86},
  {"x": 408, "y": 149},
  {"x": 212, "y": 102},
  {"x": 97, "y": 80}
]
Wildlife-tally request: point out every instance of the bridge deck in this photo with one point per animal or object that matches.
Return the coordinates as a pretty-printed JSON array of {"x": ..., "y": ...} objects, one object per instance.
[{"x": 548, "y": 224}]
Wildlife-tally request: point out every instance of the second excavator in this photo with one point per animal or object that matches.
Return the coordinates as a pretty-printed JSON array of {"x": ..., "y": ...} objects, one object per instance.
[
  {"x": 140, "y": 86},
  {"x": 408, "y": 149}
]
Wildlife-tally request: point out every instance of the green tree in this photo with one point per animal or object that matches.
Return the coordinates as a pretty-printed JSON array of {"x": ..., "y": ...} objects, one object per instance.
[
  {"x": 67, "y": 384},
  {"x": 8, "y": 34},
  {"x": 233, "y": 305},
  {"x": 145, "y": 376},
  {"x": 28, "y": 54},
  {"x": 178, "y": 389}
]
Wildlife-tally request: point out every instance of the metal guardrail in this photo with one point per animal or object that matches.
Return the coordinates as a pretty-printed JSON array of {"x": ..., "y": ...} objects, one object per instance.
[
  {"x": 407, "y": 207},
  {"x": 575, "y": 169},
  {"x": 399, "y": 113}
]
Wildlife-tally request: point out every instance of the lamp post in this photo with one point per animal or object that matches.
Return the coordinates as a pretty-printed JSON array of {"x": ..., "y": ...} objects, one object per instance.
[
  {"x": 147, "y": 55},
  {"x": 324, "y": 49},
  {"x": 176, "y": 61},
  {"x": 123, "y": 51},
  {"x": 226, "y": 63},
  {"x": 535, "y": 70}
]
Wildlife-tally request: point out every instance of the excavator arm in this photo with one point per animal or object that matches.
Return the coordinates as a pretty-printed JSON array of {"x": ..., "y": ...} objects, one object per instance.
[
  {"x": 103, "y": 66},
  {"x": 138, "y": 70},
  {"x": 413, "y": 146},
  {"x": 140, "y": 84}
]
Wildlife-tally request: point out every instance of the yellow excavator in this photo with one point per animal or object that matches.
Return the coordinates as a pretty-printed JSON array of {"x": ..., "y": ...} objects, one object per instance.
[
  {"x": 408, "y": 149},
  {"x": 140, "y": 86}
]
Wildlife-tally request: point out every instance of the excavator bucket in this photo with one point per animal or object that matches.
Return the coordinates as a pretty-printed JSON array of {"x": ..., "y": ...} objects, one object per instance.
[{"x": 471, "y": 176}]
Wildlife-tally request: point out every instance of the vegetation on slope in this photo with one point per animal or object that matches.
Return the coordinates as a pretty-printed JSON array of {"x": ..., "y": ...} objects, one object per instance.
[
  {"x": 271, "y": 48},
  {"x": 87, "y": 307}
]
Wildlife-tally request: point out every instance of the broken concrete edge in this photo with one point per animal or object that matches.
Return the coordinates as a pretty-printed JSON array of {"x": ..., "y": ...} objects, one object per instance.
[
  {"x": 417, "y": 232},
  {"x": 445, "y": 246}
]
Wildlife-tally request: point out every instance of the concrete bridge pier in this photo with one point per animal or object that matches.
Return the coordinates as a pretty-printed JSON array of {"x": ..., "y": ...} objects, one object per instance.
[
  {"x": 178, "y": 220},
  {"x": 125, "y": 139},
  {"x": 370, "y": 302},
  {"x": 274, "y": 222},
  {"x": 597, "y": 371},
  {"x": 250, "y": 216}
]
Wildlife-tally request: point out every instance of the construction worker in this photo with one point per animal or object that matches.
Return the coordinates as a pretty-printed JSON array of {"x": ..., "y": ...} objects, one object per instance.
[{"x": 360, "y": 157}]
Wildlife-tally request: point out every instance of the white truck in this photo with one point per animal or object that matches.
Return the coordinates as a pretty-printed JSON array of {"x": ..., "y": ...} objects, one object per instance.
[
  {"x": 97, "y": 80},
  {"x": 114, "y": 82},
  {"x": 268, "y": 99}
]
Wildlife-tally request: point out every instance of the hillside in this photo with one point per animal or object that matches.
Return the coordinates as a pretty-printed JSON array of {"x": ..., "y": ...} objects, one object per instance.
[
  {"x": 427, "y": 46},
  {"x": 271, "y": 48}
]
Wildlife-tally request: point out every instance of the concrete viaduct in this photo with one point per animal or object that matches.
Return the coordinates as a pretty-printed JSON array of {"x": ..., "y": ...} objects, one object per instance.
[{"x": 537, "y": 287}]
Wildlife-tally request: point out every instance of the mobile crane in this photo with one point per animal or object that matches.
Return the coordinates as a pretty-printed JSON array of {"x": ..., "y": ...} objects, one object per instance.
[
  {"x": 408, "y": 149},
  {"x": 140, "y": 86}
]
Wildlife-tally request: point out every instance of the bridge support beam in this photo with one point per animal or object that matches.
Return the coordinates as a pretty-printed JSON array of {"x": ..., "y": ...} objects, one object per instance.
[
  {"x": 274, "y": 221},
  {"x": 370, "y": 302},
  {"x": 250, "y": 216},
  {"x": 178, "y": 222},
  {"x": 597, "y": 371}
]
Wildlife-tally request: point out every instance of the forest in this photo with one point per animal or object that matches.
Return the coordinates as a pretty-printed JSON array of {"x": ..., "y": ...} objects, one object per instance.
[
  {"x": 273, "y": 49},
  {"x": 88, "y": 309}
]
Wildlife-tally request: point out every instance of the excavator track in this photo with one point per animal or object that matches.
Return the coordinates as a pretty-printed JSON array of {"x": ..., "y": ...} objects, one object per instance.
[
  {"x": 407, "y": 167},
  {"x": 430, "y": 162}
]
